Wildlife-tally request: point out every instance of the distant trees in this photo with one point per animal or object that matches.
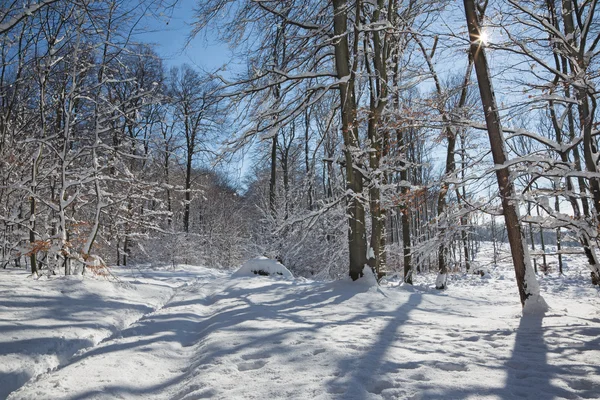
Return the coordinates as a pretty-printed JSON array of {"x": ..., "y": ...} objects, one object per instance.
[
  {"x": 197, "y": 114},
  {"x": 297, "y": 64}
]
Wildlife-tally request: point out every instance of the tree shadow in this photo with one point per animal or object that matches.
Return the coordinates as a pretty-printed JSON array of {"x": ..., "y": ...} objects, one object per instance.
[
  {"x": 12, "y": 380},
  {"x": 357, "y": 380},
  {"x": 194, "y": 328},
  {"x": 40, "y": 331},
  {"x": 530, "y": 373},
  {"x": 278, "y": 323},
  {"x": 528, "y": 365}
]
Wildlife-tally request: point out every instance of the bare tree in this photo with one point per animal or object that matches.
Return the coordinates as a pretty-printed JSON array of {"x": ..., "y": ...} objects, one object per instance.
[{"x": 197, "y": 113}]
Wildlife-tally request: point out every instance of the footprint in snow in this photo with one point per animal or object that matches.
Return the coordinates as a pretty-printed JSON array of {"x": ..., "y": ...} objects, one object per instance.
[
  {"x": 255, "y": 356},
  {"x": 379, "y": 386},
  {"x": 251, "y": 365},
  {"x": 318, "y": 351},
  {"x": 584, "y": 384},
  {"x": 518, "y": 365},
  {"x": 357, "y": 347},
  {"x": 495, "y": 340},
  {"x": 419, "y": 377},
  {"x": 522, "y": 375},
  {"x": 336, "y": 389},
  {"x": 448, "y": 366},
  {"x": 195, "y": 392}
]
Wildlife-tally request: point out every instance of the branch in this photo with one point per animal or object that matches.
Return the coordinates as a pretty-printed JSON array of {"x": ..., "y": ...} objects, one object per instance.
[{"x": 7, "y": 26}]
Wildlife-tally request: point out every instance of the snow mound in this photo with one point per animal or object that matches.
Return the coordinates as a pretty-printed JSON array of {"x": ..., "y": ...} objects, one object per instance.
[
  {"x": 263, "y": 266},
  {"x": 486, "y": 275},
  {"x": 441, "y": 281},
  {"x": 369, "y": 279},
  {"x": 535, "y": 305}
]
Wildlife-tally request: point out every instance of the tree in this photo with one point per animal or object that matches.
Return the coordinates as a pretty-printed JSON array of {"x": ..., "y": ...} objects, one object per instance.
[
  {"x": 80, "y": 103},
  {"x": 197, "y": 113},
  {"x": 558, "y": 48},
  {"x": 346, "y": 59},
  {"x": 526, "y": 281}
]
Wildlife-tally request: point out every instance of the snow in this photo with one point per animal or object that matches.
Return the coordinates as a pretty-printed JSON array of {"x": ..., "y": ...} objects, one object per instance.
[
  {"x": 44, "y": 322},
  {"x": 263, "y": 266},
  {"x": 535, "y": 305},
  {"x": 440, "y": 282},
  {"x": 193, "y": 332}
]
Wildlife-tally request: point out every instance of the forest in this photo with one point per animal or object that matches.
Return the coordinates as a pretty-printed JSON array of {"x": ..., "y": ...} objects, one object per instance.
[
  {"x": 394, "y": 134},
  {"x": 367, "y": 200}
]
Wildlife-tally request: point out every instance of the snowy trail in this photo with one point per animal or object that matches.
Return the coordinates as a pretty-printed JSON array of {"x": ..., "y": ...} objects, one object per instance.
[
  {"x": 45, "y": 322},
  {"x": 145, "y": 327},
  {"x": 226, "y": 338}
]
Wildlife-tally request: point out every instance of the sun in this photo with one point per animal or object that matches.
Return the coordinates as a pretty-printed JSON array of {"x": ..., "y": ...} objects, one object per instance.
[{"x": 484, "y": 36}]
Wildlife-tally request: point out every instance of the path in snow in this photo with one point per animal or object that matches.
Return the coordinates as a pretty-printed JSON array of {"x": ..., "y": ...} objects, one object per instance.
[
  {"x": 258, "y": 338},
  {"x": 43, "y": 323}
]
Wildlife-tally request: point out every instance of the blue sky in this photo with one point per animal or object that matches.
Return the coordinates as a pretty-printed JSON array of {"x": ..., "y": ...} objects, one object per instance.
[{"x": 170, "y": 34}]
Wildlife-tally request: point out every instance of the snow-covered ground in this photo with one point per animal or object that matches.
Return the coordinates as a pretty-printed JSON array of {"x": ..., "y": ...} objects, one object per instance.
[{"x": 192, "y": 332}]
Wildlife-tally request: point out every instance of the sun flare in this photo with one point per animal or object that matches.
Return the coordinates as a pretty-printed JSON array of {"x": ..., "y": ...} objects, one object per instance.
[{"x": 484, "y": 37}]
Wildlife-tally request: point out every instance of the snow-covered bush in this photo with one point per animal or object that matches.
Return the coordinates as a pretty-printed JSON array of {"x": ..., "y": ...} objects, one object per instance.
[{"x": 263, "y": 266}]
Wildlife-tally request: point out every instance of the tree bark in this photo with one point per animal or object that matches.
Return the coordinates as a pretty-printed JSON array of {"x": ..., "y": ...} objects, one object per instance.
[
  {"x": 354, "y": 180},
  {"x": 378, "y": 100},
  {"x": 526, "y": 283},
  {"x": 404, "y": 217}
]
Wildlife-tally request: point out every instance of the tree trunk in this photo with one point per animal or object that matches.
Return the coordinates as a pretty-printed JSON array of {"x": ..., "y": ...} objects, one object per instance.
[
  {"x": 309, "y": 173},
  {"x": 118, "y": 251},
  {"x": 526, "y": 282},
  {"x": 354, "y": 181},
  {"x": 168, "y": 182},
  {"x": 558, "y": 238},
  {"x": 542, "y": 244},
  {"x": 32, "y": 255},
  {"x": 532, "y": 238},
  {"x": 404, "y": 217},
  {"x": 188, "y": 194},
  {"x": 441, "y": 207},
  {"x": 273, "y": 179},
  {"x": 463, "y": 218},
  {"x": 285, "y": 157}
]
